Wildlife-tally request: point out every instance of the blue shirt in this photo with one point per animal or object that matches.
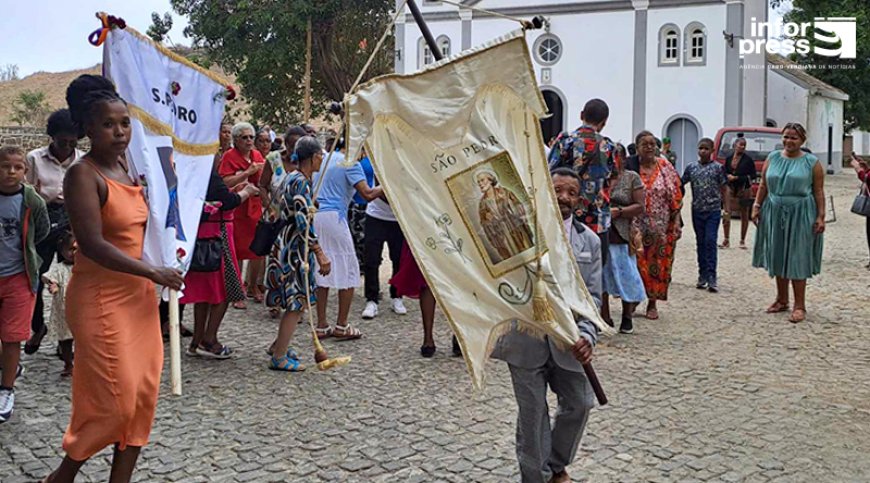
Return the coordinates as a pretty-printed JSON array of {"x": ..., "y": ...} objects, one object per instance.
[
  {"x": 707, "y": 181},
  {"x": 370, "y": 179},
  {"x": 338, "y": 185}
]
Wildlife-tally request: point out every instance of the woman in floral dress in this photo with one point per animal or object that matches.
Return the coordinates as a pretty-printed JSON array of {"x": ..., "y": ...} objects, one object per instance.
[
  {"x": 290, "y": 281},
  {"x": 660, "y": 222}
]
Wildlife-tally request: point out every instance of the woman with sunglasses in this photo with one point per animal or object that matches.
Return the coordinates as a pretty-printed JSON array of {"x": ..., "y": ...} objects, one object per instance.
[
  {"x": 243, "y": 164},
  {"x": 789, "y": 210}
]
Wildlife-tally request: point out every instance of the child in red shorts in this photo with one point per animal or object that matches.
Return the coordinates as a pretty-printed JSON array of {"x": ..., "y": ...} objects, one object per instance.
[{"x": 23, "y": 224}]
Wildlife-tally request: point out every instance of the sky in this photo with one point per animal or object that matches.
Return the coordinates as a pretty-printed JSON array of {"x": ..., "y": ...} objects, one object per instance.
[
  {"x": 51, "y": 35},
  {"x": 57, "y": 41}
]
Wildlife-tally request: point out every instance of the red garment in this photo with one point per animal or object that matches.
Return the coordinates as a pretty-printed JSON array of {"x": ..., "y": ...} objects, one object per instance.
[
  {"x": 210, "y": 287},
  {"x": 409, "y": 282},
  {"x": 248, "y": 213}
]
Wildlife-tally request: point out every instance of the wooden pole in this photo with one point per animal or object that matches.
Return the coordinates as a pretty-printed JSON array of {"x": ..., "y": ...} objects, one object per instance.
[
  {"x": 307, "y": 102},
  {"x": 174, "y": 344}
]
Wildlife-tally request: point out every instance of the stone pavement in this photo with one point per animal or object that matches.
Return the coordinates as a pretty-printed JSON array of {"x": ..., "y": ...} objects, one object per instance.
[{"x": 714, "y": 391}]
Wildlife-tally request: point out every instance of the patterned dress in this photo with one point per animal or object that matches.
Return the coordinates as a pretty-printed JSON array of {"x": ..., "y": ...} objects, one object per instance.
[
  {"x": 660, "y": 228},
  {"x": 285, "y": 276}
]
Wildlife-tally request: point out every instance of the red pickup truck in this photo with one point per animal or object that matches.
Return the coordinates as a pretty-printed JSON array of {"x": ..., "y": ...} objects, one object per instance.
[{"x": 760, "y": 141}]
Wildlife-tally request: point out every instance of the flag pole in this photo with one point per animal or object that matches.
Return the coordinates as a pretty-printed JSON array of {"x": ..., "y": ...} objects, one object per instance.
[{"x": 174, "y": 343}]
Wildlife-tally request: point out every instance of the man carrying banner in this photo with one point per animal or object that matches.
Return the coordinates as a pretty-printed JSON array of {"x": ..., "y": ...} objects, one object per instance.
[{"x": 544, "y": 452}]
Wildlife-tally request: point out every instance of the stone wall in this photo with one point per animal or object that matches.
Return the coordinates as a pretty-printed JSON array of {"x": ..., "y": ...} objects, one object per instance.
[{"x": 29, "y": 137}]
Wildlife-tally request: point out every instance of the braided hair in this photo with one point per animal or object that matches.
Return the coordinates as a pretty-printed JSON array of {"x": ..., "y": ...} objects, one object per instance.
[{"x": 84, "y": 94}]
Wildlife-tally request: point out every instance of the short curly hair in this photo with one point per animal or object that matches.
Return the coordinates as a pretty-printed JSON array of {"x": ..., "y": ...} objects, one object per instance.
[{"x": 60, "y": 122}]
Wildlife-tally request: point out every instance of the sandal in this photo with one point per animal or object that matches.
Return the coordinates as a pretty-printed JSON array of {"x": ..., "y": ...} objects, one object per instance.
[
  {"x": 324, "y": 332},
  {"x": 241, "y": 305},
  {"x": 191, "y": 351},
  {"x": 346, "y": 332},
  {"x": 66, "y": 372},
  {"x": 725, "y": 244},
  {"x": 652, "y": 314},
  {"x": 797, "y": 316},
  {"x": 32, "y": 345},
  {"x": 743, "y": 246},
  {"x": 209, "y": 352},
  {"x": 777, "y": 307},
  {"x": 286, "y": 364}
]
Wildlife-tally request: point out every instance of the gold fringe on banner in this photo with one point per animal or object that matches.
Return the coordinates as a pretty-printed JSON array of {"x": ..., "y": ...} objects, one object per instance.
[{"x": 162, "y": 129}]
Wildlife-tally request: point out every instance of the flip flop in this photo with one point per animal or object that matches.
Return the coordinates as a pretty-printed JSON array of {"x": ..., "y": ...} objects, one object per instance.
[
  {"x": 777, "y": 307},
  {"x": 652, "y": 314},
  {"x": 797, "y": 316}
]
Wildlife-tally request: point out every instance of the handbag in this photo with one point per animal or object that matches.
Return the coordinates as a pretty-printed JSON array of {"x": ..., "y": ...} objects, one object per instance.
[
  {"x": 265, "y": 235},
  {"x": 861, "y": 205},
  {"x": 207, "y": 255}
]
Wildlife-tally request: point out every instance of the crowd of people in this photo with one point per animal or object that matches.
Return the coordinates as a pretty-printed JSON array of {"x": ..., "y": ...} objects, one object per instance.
[{"x": 622, "y": 210}]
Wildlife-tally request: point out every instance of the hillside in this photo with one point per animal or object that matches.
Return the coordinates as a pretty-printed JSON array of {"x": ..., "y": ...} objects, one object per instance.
[{"x": 53, "y": 84}]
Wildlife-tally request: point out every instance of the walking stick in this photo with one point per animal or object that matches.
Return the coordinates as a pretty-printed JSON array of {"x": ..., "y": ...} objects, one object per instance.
[
  {"x": 595, "y": 383},
  {"x": 174, "y": 344}
]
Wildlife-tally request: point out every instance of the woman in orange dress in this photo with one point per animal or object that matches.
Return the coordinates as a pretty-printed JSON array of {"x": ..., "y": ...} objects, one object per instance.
[
  {"x": 240, "y": 164},
  {"x": 110, "y": 305},
  {"x": 660, "y": 222}
]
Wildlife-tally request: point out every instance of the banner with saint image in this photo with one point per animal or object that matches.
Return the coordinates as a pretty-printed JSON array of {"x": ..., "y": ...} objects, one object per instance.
[{"x": 459, "y": 152}]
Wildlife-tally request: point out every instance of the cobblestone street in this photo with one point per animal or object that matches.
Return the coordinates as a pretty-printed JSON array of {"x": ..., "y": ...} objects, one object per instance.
[{"x": 715, "y": 390}]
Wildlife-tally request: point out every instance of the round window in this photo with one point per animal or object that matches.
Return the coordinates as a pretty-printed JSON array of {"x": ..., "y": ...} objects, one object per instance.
[{"x": 548, "y": 49}]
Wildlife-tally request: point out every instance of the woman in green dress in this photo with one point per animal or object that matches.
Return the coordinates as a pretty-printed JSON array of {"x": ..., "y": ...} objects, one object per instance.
[{"x": 789, "y": 210}]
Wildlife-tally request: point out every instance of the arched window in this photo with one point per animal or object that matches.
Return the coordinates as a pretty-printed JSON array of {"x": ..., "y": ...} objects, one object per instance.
[
  {"x": 424, "y": 55},
  {"x": 443, "y": 42},
  {"x": 669, "y": 45},
  {"x": 696, "y": 44}
]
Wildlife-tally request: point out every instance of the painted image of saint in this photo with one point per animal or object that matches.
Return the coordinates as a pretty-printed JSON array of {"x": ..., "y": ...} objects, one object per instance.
[{"x": 502, "y": 216}]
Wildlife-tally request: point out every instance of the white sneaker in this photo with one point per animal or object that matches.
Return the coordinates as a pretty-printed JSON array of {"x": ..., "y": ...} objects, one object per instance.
[
  {"x": 7, "y": 402},
  {"x": 398, "y": 307},
  {"x": 370, "y": 311}
]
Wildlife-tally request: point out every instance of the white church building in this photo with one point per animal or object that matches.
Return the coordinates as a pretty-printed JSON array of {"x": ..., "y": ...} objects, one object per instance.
[{"x": 669, "y": 66}]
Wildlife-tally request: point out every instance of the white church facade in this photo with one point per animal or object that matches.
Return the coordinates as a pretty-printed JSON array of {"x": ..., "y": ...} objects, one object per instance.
[{"x": 669, "y": 66}]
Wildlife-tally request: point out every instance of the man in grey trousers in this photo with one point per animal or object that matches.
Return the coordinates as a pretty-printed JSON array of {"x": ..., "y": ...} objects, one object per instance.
[{"x": 544, "y": 451}]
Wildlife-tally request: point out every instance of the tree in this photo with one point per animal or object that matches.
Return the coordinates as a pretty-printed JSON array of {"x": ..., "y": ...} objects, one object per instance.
[
  {"x": 855, "y": 82},
  {"x": 8, "y": 72},
  {"x": 263, "y": 44},
  {"x": 159, "y": 26},
  {"x": 30, "y": 108}
]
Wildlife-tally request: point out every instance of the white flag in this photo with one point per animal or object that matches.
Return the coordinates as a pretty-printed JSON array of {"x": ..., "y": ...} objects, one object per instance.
[{"x": 176, "y": 109}]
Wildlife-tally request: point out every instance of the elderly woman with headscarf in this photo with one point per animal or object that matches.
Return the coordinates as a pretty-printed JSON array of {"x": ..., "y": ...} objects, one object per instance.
[
  {"x": 660, "y": 221},
  {"x": 240, "y": 164},
  {"x": 290, "y": 280}
]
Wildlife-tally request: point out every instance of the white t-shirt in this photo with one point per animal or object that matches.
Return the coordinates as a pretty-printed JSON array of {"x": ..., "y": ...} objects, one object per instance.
[{"x": 379, "y": 209}]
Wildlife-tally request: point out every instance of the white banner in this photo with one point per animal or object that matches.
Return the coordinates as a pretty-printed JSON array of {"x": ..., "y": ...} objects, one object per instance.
[
  {"x": 176, "y": 109},
  {"x": 453, "y": 147}
]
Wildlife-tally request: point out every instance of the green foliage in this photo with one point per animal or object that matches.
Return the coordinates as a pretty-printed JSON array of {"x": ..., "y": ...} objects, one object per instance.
[
  {"x": 159, "y": 26},
  {"x": 263, "y": 42},
  {"x": 855, "y": 82},
  {"x": 30, "y": 109}
]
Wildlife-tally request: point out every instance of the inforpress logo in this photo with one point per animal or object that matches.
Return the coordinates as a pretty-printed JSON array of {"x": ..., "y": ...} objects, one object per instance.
[{"x": 832, "y": 37}]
